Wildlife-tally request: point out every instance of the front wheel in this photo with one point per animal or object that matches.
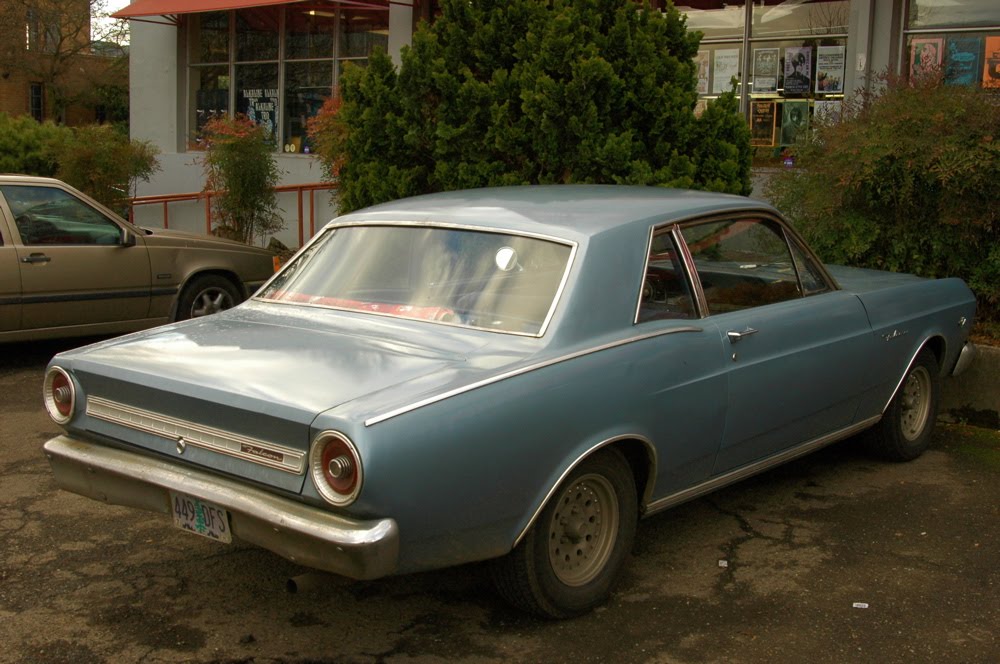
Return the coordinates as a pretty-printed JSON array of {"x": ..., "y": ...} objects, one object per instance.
[
  {"x": 207, "y": 294},
  {"x": 573, "y": 554},
  {"x": 904, "y": 432}
]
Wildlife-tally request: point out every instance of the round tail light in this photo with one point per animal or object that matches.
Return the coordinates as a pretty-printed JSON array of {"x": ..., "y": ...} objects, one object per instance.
[
  {"x": 335, "y": 467},
  {"x": 59, "y": 395}
]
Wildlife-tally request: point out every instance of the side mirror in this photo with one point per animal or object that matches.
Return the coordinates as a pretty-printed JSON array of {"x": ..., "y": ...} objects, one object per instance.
[{"x": 128, "y": 238}]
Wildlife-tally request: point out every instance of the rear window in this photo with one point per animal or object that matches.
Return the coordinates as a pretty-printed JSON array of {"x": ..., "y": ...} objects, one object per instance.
[{"x": 470, "y": 278}]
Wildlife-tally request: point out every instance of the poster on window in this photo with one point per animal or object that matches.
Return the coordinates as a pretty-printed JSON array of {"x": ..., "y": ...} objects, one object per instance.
[
  {"x": 727, "y": 67},
  {"x": 830, "y": 61},
  {"x": 827, "y": 112},
  {"x": 798, "y": 70},
  {"x": 962, "y": 60},
  {"x": 762, "y": 123},
  {"x": 260, "y": 106},
  {"x": 765, "y": 69},
  {"x": 702, "y": 64},
  {"x": 794, "y": 121},
  {"x": 925, "y": 55},
  {"x": 991, "y": 68}
]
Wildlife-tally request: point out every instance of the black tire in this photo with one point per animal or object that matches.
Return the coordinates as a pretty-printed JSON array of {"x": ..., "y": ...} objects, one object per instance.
[
  {"x": 905, "y": 430},
  {"x": 207, "y": 294},
  {"x": 568, "y": 563}
]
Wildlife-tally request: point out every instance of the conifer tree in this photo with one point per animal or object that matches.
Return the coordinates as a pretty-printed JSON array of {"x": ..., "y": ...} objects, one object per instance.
[{"x": 505, "y": 92}]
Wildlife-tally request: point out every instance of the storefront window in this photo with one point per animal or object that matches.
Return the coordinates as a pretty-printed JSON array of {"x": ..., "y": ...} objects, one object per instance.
[
  {"x": 309, "y": 33},
  {"x": 784, "y": 18},
  {"x": 715, "y": 19},
  {"x": 210, "y": 32},
  {"x": 362, "y": 32},
  {"x": 953, "y": 13},
  {"x": 307, "y": 86},
  {"x": 279, "y": 81},
  {"x": 257, "y": 96},
  {"x": 257, "y": 34},
  {"x": 210, "y": 94}
]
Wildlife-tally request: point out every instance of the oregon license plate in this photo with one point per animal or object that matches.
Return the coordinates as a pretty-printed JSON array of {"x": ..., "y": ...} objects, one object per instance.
[{"x": 200, "y": 517}]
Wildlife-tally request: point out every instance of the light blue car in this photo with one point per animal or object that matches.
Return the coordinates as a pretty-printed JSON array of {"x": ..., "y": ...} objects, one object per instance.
[{"x": 515, "y": 374}]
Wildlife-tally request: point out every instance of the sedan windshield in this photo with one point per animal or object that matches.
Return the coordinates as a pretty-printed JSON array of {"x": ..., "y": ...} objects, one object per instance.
[{"x": 485, "y": 280}]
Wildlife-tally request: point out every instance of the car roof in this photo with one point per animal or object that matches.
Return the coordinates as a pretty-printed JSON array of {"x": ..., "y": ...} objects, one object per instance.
[
  {"x": 13, "y": 178},
  {"x": 570, "y": 211}
]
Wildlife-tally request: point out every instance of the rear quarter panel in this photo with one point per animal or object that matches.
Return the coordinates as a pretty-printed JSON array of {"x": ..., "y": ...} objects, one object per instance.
[{"x": 464, "y": 476}]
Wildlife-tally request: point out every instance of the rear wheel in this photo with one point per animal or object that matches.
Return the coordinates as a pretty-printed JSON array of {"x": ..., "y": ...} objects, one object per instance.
[
  {"x": 207, "y": 294},
  {"x": 573, "y": 554},
  {"x": 905, "y": 431}
]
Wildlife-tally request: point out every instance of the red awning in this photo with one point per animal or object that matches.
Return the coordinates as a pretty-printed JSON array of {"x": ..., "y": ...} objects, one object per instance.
[{"x": 140, "y": 8}]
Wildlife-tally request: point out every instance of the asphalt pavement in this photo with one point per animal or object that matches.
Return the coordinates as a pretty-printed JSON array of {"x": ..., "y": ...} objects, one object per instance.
[{"x": 836, "y": 557}]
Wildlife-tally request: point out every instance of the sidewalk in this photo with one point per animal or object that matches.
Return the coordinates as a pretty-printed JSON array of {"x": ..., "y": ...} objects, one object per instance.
[{"x": 974, "y": 397}]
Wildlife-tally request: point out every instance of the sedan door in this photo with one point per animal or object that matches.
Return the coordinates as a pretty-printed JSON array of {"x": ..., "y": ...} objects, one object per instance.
[
  {"x": 797, "y": 349},
  {"x": 77, "y": 265}
]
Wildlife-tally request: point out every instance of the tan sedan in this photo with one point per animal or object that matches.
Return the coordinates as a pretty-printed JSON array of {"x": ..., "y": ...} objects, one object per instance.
[{"x": 70, "y": 266}]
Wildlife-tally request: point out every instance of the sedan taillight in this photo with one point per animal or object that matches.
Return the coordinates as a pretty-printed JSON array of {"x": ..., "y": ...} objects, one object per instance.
[
  {"x": 335, "y": 467},
  {"x": 59, "y": 395}
]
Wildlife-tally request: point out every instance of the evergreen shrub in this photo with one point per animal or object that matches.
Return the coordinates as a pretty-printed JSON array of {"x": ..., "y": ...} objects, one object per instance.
[
  {"x": 508, "y": 92},
  {"x": 907, "y": 181},
  {"x": 26, "y": 145}
]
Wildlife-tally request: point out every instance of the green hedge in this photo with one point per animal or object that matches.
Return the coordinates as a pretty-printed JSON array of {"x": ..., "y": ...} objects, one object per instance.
[{"x": 908, "y": 181}]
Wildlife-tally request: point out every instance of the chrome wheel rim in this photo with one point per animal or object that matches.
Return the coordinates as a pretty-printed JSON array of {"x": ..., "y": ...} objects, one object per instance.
[
  {"x": 583, "y": 530},
  {"x": 210, "y": 301},
  {"x": 916, "y": 403}
]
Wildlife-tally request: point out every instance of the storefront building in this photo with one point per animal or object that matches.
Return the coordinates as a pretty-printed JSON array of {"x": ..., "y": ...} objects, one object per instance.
[{"x": 277, "y": 61}]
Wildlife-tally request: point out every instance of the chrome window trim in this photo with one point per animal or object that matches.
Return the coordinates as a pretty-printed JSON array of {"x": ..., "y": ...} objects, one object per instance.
[
  {"x": 758, "y": 467},
  {"x": 650, "y": 450},
  {"x": 404, "y": 223},
  {"x": 789, "y": 236},
  {"x": 684, "y": 256},
  {"x": 523, "y": 370},
  {"x": 198, "y": 435}
]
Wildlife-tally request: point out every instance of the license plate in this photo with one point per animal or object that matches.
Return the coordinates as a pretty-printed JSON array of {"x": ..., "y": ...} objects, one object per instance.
[{"x": 200, "y": 517}]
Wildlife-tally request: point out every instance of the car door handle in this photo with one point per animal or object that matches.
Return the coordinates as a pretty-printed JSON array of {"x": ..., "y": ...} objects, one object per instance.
[
  {"x": 36, "y": 258},
  {"x": 735, "y": 336}
]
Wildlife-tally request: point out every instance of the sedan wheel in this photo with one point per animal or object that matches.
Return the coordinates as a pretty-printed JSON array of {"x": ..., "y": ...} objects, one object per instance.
[
  {"x": 905, "y": 431},
  {"x": 571, "y": 557},
  {"x": 205, "y": 295}
]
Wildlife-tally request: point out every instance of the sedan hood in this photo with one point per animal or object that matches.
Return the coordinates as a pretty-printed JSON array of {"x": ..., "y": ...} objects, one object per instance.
[{"x": 169, "y": 237}]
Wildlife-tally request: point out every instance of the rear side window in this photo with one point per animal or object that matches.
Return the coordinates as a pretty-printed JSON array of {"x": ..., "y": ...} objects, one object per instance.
[{"x": 665, "y": 289}]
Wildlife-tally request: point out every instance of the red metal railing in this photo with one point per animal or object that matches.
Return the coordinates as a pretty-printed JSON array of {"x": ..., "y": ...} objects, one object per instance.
[{"x": 299, "y": 189}]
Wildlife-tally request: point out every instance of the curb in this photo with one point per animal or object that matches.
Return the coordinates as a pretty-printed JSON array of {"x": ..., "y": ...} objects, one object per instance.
[{"x": 974, "y": 397}]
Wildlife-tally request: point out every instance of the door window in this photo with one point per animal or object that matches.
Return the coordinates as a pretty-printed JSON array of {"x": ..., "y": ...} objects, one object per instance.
[
  {"x": 51, "y": 216},
  {"x": 742, "y": 263}
]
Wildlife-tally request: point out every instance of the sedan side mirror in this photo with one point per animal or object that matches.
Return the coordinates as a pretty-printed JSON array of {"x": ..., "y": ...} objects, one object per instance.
[{"x": 128, "y": 238}]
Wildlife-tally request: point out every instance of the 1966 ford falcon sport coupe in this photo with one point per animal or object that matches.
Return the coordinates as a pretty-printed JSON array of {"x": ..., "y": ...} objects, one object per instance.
[{"x": 514, "y": 374}]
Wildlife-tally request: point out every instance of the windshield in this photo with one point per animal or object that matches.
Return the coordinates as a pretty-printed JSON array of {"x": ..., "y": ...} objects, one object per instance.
[{"x": 479, "y": 279}]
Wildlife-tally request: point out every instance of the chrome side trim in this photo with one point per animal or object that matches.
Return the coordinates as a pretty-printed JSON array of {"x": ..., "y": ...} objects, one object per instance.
[
  {"x": 216, "y": 440},
  {"x": 902, "y": 378},
  {"x": 522, "y": 370},
  {"x": 757, "y": 467},
  {"x": 650, "y": 449}
]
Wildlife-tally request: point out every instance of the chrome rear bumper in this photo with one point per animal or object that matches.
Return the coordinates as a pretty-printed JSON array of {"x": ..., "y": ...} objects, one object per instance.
[{"x": 302, "y": 533}]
